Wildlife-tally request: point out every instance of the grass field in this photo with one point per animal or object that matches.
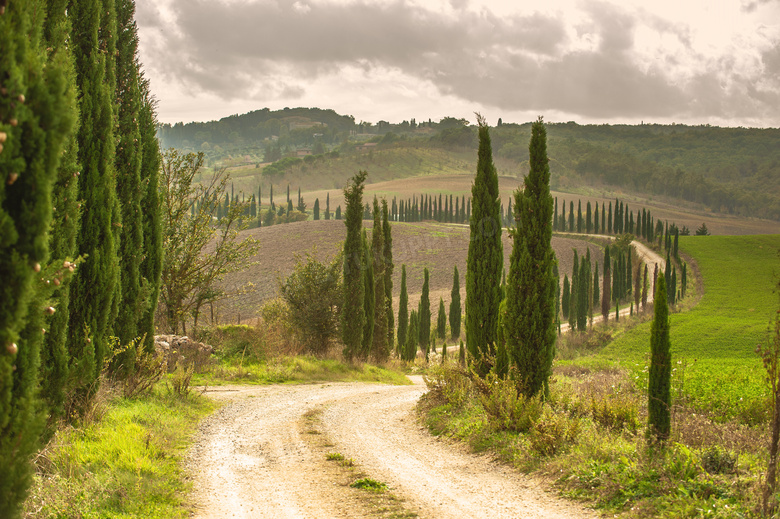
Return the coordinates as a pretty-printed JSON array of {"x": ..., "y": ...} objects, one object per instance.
[{"x": 715, "y": 342}]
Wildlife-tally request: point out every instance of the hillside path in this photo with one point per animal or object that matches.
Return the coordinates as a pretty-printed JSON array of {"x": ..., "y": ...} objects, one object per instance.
[{"x": 260, "y": 456}]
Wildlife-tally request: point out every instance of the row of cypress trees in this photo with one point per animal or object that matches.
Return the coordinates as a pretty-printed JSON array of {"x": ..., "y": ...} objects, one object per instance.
[{"x": 79, "y": 221}]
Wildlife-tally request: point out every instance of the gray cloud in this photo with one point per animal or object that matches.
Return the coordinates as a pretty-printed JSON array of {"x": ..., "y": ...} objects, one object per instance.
[{"x": 277, "y": 50}]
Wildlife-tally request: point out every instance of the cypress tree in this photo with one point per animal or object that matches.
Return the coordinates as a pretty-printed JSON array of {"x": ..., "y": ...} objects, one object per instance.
[
  {"x": 127, "y": 163},
  {"x": 565, "y": 297},
  {"x": 684, "y": 280},
  {"x": 338, "y": 212},
  {"x": 288, "y": 194},
  {"x": 673, "y": 290},
  {"x": 555, "y": 215},
  {"x": 151, "y": 263},
  {"x": 676, "y": 244},
  {"x": 379, "y": 348},
  {"x": 36, "y": 120},
  {"x": 659, "y": 384},
  {"x": 424, "y": 313},
  {"x": 327, "y": 206},
  {"x": 609, "y": 220},
  {"x": 588, "y": 219},
  {"x": 644, "y": 289},
  {"x": 64, "y": 225},
  {"x": 272, "y": 198},
  {"x": 606, "y": 288},
  {"x": 388, "y": 266},
  {"x": 637, "y": 284},
  {"x": 596, "y": 297},
  {"x": 369, "y": 299},
  {"x": 455, "y": 309},
  {"x": 410, "y": 346},
  {"x": 441, "y": 321},
  {"x": 596, "y": 220},
  {"x": 571, "y": 216},
  {"x": 485, "y": 256},
  {"x": 530, "y": 318},
  {"x": 562, "y": 220},
  {"x": 353, "y": 315},
  {"x": 583, "y": 280},
  {"x": 579, "y": 216},
  {"x": 316, "y": 210},
  {"x": 573, "y": 289},
  {"x": 94, "y": 289},
  {"x": 403, "y": 311}
]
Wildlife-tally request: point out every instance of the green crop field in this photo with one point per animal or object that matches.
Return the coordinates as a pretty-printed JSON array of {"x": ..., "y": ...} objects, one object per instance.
[{"x": 713, "y": 345}]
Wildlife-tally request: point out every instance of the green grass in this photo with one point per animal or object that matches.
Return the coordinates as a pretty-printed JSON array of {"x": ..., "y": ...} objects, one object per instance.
[
  {"x": 715, "y": 341},
  {"x": 125, "y": 465},
  {"x": 301, "y": 369}
]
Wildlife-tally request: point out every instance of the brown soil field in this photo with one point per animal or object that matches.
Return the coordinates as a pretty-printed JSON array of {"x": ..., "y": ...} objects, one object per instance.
[{"x": 439, "y": 247}]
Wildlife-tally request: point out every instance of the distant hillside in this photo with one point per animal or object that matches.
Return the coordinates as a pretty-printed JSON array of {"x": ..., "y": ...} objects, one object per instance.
[{"x": 727, "y": 170}]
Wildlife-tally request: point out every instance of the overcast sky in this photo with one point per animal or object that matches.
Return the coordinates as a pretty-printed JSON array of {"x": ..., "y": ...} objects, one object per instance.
[{"x": 686, "y": 61}]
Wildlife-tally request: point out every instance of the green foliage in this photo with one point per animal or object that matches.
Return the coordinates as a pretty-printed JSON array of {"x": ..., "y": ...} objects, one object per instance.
[
  {"x": 455, "y": 309},
  {"x": 368, "y": 299},
  {"x": 412, "y": 337},
  {"x": 313, "y": 293},
  {"x": 380, "y": 350},
  {"x": 403, "y": 312},
  {"x": 441, "y": 321},
  {"x": 532, "y": 286},
  {"x": 388, "y": 267},
  {"x": 615, "y": 412},
  {"x": 552, "y": 433},
  {"x": 94, "y": 300},
  {"x": 424, "y": 315},
  {"x": 369, "y": 484},
  {"x": 36, "y": 118},
  {"x": 485, "y": 256},
  {"x": 659, "y": 386},
  {"x": 353, "y": 316}
]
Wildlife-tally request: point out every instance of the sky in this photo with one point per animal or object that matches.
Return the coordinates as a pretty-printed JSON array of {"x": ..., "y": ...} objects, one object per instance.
[{"x": 630, "y": 61}]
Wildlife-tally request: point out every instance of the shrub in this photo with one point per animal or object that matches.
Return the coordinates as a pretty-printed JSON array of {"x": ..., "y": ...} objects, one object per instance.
[
  {"x": 551, "y": 433},
  {"x": 179, "y": 381},
  {"x": 615, "y": 412},
  {"x": 716, "y": 460},
  {"x": 507, "y": 406}
]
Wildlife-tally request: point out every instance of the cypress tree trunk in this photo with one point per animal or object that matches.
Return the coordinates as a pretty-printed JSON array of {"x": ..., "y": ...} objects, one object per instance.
[
  {"x": 36, "y": 118},
  {"x": 531, "y": 288},
  {"x": 403, "y": 311},
  {"x": 659, "y": 384},
  {"x": 379, "y": 349},
  {"x": 353, "y": 316},
  {"x": 388, "y": 266},
  {"x": 485, "y": 257},
  {"x": 95, "y": 285},
  {"x": 455, "y": 309}
]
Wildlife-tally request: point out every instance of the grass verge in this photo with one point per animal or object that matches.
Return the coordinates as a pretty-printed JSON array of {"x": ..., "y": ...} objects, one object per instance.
[{"x": 126, "y": 464}]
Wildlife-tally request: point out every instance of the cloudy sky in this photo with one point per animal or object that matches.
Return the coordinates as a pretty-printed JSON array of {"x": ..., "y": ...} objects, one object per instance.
[{"x": 686, "y": 61}]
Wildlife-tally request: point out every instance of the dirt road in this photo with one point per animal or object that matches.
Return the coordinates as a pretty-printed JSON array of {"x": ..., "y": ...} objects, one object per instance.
[{"x": 264, "y": 456}]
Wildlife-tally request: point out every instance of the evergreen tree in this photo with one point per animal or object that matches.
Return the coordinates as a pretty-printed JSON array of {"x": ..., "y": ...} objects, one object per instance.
[
  {"x": 424, "y": 312},
  {"x": 353, "y": 317},
  {"x": 441, "y": 320},
  {"x": 579, "y": 216},
  {"x": 659, "y": 384},
  {"x": 555, "y": 215},
  {"x": 403, "y": 311},
  {"x": 609, "y": 220},
  {"x": 462, "y": 355},
  {"x": 596, "y": 219},
  {"x": 455, "y": 309},
  {"x": 327, "y": 206},
  {"x": 583, "y": 280},
  {"x": 571, "y": 216},
  {"x": 606, "y": 287},
  {"x": 410, "y": 346},
  {"x": 94, "y": 290},
  {"x": 644, "y": 289},
  {"x": 637, "y": 284},
  {"x": 369, "y": 299},
  {"x": 271, "y": 201},
  {"x": 530, "y": 317},
  {"x": 573, "y": 292},
  {"x": 596, "y": 296},
  {"x": 588, "y": 219},
  {"x": 684, "y": 279},
  {"x": 338, "y": 212},
  {"x": 151, "y": 263},
  {"x": 316, "y": 210},
  {"x": 485, "y": 256},
  {"x": 379, "y": 348},
  {"x": 388, "y": 266},
  {"x": 565, "y": 303},
  {"x": 36, "y": 120}
]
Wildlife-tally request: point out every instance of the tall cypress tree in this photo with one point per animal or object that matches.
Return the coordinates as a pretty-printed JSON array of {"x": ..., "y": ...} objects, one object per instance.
[
  {"x": 573, "y": 292},
  {"x": 388, "y": 266},
  {"x": 151, "y": 263},
  {"x": 64, "y": 225},
  {"x": 316, "y": 210},
  {"x": 485, "y": 256},
  {"x": 424, "y": 312},
  {"x": 606, "y": 287},
  {"x": 127, "y": 164},
  {"x": 36, "y": 118},
  {"x": 530, "y": 317},
  {"x": 403, "y": 311},
  {"x": 94, "y": 289},
  {"x": 565, "y": 297},
  {"x": 441, "y": 320},
  {"x": 609, "y": 219},
  {"x": 379, "y": 349},
  {"x": 455, "y": 309},
  {"x": 368, "y": 299},
  {"x": 583, "y": 280},
  {"x": 659, "y": 384},
  {"x": 571, "y": 216},
  {"x": 327, "y": 206},
  {"x": 353, "y": 316},
  {"x": 579, "y": 216},
  {"x": 410, "y": 345}
]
